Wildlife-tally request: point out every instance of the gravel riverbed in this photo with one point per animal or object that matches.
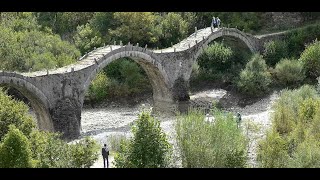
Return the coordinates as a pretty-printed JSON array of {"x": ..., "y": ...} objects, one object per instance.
[{"x": 101, "y": 123}]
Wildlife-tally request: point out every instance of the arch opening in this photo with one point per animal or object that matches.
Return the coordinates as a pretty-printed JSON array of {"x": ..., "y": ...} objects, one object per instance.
[
  {"x": 37, "y": 107},
  {"x": 159, "y": 93}
]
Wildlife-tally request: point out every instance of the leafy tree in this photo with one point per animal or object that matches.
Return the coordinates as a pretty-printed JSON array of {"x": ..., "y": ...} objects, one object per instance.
[
  {"x": 289, "y": 72},
  {"x": 15, "y": 150},
  {"x": 102, "y": 22},
  {"x": 84, "y": 153},
  {"x": 135, "y": 27},
  {"x": 311, "y": 59},
  {"x": 86, "y": 38},
  {"x": 174, "y": 28},
  {"x": 34, "y": 50},
  {"x": 255, "y": 78},
  {"x": 274, "y": 51},
  {"x": 98, "y": 87},
  {"x": 13, "y": 112},
  {"x": 147, "y": 149}
]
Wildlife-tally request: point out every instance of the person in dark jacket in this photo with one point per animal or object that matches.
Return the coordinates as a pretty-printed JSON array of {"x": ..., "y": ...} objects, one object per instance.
[{"x": 105, "y": 154}]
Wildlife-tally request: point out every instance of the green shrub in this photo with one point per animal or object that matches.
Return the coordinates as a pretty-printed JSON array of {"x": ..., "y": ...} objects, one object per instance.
[
  {"x": 289, "y": 73},
  {"x": 272, "y": 151},
  {"x": 298, "y": 38},
  {"x": 216, "y": 57},
  {"x": 84, "y": 153},
  {"x": 255, "y": 78},
  {"x": 311, "y": 59},
  {"x": 274, "y": 51},
  {"x": 148, "y": 148},
  {"x": 14, "y": 112},
  {"x": 86, "y": 38},
  {"x": 50, "y": 151},
  {"x": 287, "y": 108},
  {"x": 15, "y": 150},
  {"x": 210, "y": 144},
  {"x": 115, "y": 141},
  {"x": 98, "y": 87},
  {"x": 294, "y": 138},
  {"x": 307, "y": 155},
  {"x": 174, "y": 28}
]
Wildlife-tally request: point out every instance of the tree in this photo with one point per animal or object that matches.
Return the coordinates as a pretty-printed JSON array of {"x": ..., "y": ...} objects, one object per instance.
[
  {"x": 174, "y": 28},
  {"x": 84, "y": 153},
  {"x": 135, "y": 27},
  {"x": 311, "y": 60},
  {"x": 147, "y": 149},
  {"x": 15, "y": 150},
  {"x": 255, "y": 78},
  {"x": 14, "y": 112},
  {"x": 25, "y": 46},
  {"x": 86, "y": 38}
]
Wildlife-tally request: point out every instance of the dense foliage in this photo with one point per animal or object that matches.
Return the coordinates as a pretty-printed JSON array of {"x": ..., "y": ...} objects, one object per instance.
[
  {"x": 23, "y": 146},
  {"x": 255, "y": 78},
  {"x": 293, "y": 140},
  {"x": 149, "y": 147},
  {"x": 215, "y": 143}
]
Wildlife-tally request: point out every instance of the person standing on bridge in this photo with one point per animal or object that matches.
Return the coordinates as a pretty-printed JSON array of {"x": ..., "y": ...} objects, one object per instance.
[
  {"x": 218, "y": 22},
  {"x": 213, "y": 23},
  {"x": 105, "y": 154}
]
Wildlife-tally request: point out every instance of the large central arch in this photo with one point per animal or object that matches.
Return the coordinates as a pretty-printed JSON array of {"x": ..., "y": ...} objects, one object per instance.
[
  {"x": 38, "y": 100},
  {"x": 147, "y": 60}
]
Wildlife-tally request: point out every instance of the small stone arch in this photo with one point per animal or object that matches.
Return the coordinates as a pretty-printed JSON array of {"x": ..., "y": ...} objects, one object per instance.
[
  {"x": 38, "y": 100},
  {"x": 250, "y": 41}
]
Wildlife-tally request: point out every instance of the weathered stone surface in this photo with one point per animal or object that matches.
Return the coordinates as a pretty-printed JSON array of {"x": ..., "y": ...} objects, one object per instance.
[
  {"x": 57, "y": 95},
  {"x": 66, "y": 117}
]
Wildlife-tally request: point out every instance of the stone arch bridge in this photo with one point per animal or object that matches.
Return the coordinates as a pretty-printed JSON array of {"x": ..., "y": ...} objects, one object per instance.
[{"x": 57, "y": 95}]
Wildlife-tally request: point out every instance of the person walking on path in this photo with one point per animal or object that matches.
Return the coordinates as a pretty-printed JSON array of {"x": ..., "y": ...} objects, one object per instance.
[
  {"x": 105, "y": 154},
  {"x": 238, "y": 119}
]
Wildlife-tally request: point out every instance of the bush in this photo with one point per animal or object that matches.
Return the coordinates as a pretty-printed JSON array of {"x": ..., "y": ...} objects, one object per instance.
[
  {"x": 311, "y": 59},
  {"x": 294, "y": 138},
  {"x": 174, "y": 28},
  {"x": 15, "y": 150},
  {"x": 84, "y": 153},
  {"x": 216, "y": 57},
  {"x": 86, "y": 38},
  {"x": 50, "y": 151},
  {"x": 210, "y": 144},
  {"x": 274, "y": 51},
  {"x": 272, "y": 152},
  {"x": 115, "y": 142},
  {"x": 298, "y": 38},
  {"x": 307, "y": 155},
  {"x": 13, "y": 112},
  {"x": 289, "y": 73},
  {"x": 255, "y": 79},
  {"x": 287, "y": 107},
  {"x": 148, "y": 148},
  {"x": 98, "y": 87}
]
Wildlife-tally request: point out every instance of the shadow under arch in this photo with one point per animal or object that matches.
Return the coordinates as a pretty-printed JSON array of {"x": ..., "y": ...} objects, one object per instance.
[{"x": 37, "y": 99}]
